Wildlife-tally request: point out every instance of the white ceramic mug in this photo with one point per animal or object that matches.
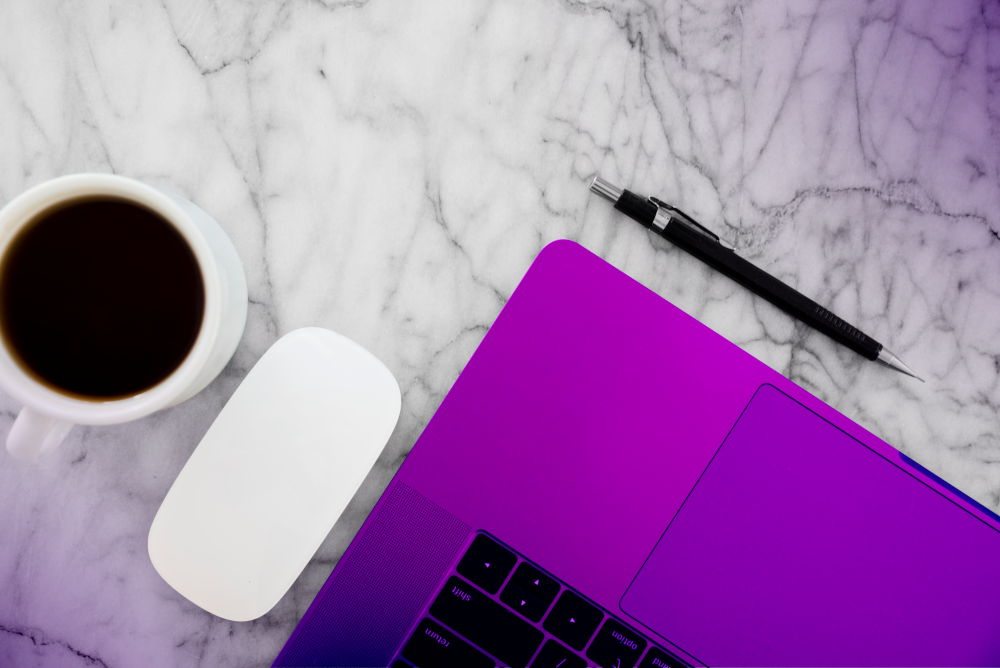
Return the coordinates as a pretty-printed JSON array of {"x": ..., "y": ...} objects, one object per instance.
[{"x": 47, "y": 415}]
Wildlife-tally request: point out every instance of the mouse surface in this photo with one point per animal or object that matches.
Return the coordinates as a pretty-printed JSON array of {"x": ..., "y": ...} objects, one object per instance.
[{"x": 274, "y": 472}]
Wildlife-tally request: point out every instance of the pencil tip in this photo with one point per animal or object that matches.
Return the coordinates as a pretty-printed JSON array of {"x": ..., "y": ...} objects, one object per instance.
[{"x": 887, "y": 358}]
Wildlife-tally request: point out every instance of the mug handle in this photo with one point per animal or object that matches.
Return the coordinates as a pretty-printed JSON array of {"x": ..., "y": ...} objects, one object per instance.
[{"x": 34, "y": 435}]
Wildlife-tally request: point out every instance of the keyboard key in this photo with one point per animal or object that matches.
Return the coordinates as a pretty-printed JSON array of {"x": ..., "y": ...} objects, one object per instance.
[
  {"x": 486, "y": 623},
  {"x": 432, "y": 645},
  {"x": 616, "y": 646},
  {"x": 657, "y": 658},
  {"x": 523, "y": 602},
  {"x": 573, "y": 620},
  {"x": 536, "y": 582},
  {"x": 554, "y": 655},
  {"x": 487, "y": 564}
]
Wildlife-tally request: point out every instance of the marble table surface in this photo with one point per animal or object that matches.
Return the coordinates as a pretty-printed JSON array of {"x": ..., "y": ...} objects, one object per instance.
[{"x": 389, "y": 170}]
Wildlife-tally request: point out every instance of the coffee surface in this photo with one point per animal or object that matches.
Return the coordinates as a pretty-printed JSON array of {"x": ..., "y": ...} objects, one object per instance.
[{"x": 100, "y": 298}]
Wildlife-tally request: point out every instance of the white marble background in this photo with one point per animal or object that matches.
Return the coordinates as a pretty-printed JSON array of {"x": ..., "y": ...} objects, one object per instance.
[{"x": 389, "y": 170}]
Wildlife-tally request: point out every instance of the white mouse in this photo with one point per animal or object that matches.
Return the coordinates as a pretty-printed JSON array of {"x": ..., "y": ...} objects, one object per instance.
[{"x": 274, "y": 472}]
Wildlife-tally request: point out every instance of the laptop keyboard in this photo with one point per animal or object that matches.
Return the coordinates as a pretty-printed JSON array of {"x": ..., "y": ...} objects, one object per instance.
[{"x": 471, "y": 623}]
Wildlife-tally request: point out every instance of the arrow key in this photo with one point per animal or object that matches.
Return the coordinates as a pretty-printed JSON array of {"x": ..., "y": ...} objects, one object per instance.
[
  {"x": 537, "y": 582},
  {"x": 529, "y": 605},
  {"x": 573, "y": 620},
  {"x": 487, "y": 564}
]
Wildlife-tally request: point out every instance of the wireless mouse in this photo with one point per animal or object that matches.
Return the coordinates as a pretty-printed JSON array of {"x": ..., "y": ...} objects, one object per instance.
[{"x": 274, "y": 472}]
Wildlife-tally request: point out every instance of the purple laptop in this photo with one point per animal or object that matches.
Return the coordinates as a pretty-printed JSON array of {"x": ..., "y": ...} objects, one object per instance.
[{"x": 611, "y": 483}]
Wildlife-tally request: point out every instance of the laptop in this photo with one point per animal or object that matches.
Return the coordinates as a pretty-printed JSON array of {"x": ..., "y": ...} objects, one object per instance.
[{"x": 611, "y": 483}]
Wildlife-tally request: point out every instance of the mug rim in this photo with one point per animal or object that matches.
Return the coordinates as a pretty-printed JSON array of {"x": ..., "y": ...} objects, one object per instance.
[{"x": 41, "y": 398}]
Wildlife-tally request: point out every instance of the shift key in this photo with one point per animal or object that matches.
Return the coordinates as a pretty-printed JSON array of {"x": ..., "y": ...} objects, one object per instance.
[{"x": 486, "y": 623}]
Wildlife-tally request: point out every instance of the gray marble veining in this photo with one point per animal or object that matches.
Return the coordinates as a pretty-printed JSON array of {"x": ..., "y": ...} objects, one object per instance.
[{"x": 390, "y": 170}]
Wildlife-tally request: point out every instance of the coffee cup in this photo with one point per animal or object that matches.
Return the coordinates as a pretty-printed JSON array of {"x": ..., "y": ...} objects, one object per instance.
[{"x": 117, "y": 299}]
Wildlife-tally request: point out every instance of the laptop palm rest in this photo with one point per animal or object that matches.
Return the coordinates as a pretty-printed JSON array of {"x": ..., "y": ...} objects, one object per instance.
[{"x": 800, "y": 545}]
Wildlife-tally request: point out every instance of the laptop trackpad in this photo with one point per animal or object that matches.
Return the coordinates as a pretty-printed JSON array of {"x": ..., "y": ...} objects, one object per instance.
[{"x": 802, "y": 546}]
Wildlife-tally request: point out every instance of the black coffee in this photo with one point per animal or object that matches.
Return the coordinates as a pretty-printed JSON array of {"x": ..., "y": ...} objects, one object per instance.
[{"x": 100, "y": 298}]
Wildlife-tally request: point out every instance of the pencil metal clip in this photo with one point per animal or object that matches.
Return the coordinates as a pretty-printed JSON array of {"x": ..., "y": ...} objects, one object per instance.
[{"x": 691, "y": 223}]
